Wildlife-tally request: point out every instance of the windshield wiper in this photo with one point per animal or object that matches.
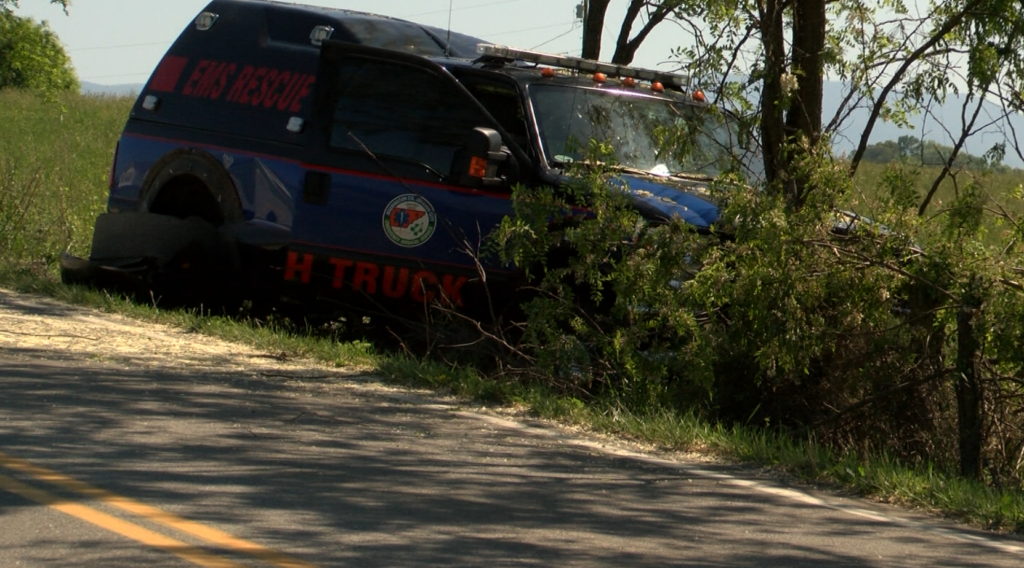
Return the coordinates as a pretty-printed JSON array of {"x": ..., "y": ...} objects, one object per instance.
[
  {"x": 648, "y": 173},
  {"x": 563, "y": 163}
]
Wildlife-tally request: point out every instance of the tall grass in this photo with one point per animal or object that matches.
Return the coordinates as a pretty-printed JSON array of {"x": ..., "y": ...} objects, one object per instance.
[
  {"x": 1001, "y": 190},
  {"x": 1000, "y": 184},
  {"x": 54, "y": 164}
]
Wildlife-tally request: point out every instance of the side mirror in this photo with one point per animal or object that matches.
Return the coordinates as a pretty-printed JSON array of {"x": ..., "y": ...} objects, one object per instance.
[{"x": 485, "y": 154}]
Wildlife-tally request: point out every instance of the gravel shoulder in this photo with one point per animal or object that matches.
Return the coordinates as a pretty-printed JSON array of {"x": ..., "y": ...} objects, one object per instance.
[{"x": 31, "y": 325}]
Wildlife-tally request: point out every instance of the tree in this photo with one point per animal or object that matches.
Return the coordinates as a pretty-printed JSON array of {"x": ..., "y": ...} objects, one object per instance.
[
  {"x": 894, "y": 63},
  {"x": 656, "y": 11},
  {"x": 909, "y": 146},
  {"x": 773, "y": 55},
  {"x": 895, "y": 59},
  {"x": 8, "y": 5},
  {"x": 32, "y": 57}
]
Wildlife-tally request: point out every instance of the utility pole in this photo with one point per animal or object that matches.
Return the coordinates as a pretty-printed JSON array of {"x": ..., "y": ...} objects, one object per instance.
[
  {"x": 593, "y": 12},
  {"x": 581, "y": 10}
]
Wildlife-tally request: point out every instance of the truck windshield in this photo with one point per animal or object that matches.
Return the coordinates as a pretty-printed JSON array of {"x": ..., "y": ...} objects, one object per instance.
[{"x": 647, "y": 133}]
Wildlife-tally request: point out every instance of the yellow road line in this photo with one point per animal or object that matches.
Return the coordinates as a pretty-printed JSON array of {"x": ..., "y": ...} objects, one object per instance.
[
  {"x": 159, "y": 516},
  {"x": 116, "y": 525}
]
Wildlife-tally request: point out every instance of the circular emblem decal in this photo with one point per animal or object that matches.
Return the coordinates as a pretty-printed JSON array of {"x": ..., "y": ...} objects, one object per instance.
[{"x": 409, "y": 220}]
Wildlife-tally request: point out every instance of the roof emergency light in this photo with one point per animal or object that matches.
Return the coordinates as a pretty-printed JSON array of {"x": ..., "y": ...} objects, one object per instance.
[
  {"x": 205, "y": 21},
  {"x": 319, "y": 34},
  {"x": 677, "y": 80}
]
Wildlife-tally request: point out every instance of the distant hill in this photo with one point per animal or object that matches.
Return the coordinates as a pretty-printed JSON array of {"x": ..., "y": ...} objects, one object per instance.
[
  {"x": 122, "y": 89},
  {"x": 948, "y": 114}
]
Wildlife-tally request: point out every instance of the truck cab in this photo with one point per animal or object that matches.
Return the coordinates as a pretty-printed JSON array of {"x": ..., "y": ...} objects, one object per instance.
[{"x": 351, "y": 160}]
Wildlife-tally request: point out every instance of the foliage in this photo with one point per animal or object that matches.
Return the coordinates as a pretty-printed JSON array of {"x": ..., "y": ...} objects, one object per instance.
[
  {"x": 54, "y": 167},
  {"x": 927, "y": 153},
  {"x": 8, "y": 5},
  {"x": 602, "y": 320},
  {"x": 32, "y": 57},
  {"x": 768, "y": 58},
  {"x": 868, "y": 335}
]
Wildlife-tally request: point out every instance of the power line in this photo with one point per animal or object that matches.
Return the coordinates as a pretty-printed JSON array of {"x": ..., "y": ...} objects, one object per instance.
[
  {"x": 559, "y": 36},
  {"x": 168, "y": 42},
  {"x": 462, "y": 8},
  {"x": 559, "y": 25},
  {"x": 141, "y": 74}
]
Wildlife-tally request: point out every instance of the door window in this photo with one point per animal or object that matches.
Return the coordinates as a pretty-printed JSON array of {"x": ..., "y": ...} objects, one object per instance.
[{"x": 402, "y": 115}]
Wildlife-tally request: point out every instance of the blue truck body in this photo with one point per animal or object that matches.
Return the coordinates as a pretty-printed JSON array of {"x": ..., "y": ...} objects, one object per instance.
[{"x": 350, "y": 158}]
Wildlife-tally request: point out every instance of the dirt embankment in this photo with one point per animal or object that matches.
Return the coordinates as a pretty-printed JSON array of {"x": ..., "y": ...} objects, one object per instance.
[{"x": 39, "y": 327}]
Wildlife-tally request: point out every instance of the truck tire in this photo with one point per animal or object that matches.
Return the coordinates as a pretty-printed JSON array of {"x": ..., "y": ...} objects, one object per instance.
[{"x": 191, "y": 184}]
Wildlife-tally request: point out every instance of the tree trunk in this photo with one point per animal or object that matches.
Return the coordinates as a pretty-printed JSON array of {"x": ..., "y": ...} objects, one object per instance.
[
  {"x": 968, "y": 389},
  {"x": 593, "y": 25},
  {"x": 803, "y": 119},
  {"x": 772, "y": 124}
]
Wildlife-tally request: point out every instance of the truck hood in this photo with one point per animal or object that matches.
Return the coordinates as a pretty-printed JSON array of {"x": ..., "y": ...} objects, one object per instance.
[{"x": 660, "y": 198}]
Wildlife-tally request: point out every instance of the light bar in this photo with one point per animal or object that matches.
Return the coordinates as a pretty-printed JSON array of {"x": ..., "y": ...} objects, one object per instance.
[{"x": 579, "y": 64}]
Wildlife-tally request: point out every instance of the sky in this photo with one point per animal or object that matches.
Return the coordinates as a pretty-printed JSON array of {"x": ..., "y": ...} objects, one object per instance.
[
  {"x": 117, "y": 42},
  {"x": 120, "y": 41}
]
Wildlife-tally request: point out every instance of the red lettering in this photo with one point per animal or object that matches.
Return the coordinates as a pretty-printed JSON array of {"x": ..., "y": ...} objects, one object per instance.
[
  {"x": 307, "y": 87},
  {"x": 365, "y": 278},
  {"x": 265, "y": 87},
  {"x": 205, "y": 85},
  {"x": 423, "y": 284},
  {"x": 273, "y": 95},
  {"x": 243, "y": 79},
  {"x": 392, "y": 288},
  {"x": 197, "y": 74},
  {"x": 452, "y": 288},
  {"x": 305, "y": 269},
  {"x": 254, "y": 82},
  {"x": 339, "y": 270},
  {"x": 290, "y": 91},
  {"x": 224, "y": 73}
]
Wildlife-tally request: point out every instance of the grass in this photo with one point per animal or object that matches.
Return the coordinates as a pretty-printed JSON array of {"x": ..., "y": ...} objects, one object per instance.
[
  {"x": 53, "y": 177},
  {"x": 999, "y": 184},
  {"x": 1001, "y": 191},
  {"x": 56, "y": 158}
]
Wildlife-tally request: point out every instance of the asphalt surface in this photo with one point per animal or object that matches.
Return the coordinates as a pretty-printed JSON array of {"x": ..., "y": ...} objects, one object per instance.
[{"x": 117, "y": 461}]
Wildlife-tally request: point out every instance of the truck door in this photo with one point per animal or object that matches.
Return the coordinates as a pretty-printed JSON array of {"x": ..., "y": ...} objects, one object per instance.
[{"x": 387, "y": 210}]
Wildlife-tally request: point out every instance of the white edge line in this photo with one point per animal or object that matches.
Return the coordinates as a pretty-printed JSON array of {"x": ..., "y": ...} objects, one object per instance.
[{"x": 762, "y": 487}]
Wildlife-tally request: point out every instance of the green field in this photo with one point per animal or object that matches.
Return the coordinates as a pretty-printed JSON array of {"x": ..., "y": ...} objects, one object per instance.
[
  {"x": 1001, "y": 191},
  {"x": 54, "y": 167}
]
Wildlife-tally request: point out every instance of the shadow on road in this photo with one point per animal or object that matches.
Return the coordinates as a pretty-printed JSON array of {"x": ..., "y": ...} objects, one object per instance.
[{"x": 349, "y": 476}]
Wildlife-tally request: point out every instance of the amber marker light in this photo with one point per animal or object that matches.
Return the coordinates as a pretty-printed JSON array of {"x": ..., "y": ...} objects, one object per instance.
[
  {"x": 477, "y": 167},
  {"x": 699, "y": 96},
  {"x": 657, "y": 87},
  {"x": 629, "y": 82},
  {"x": 547, "y": 72},
  {"x": 600, "y": 78}
]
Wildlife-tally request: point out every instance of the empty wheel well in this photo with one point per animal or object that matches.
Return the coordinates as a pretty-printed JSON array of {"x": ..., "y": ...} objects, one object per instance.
[{"x": 187, "y": 196}]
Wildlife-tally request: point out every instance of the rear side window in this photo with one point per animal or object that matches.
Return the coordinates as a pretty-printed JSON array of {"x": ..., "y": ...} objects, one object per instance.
[
  {"x": 401, "y": 112},
  {"x": 399, "y": 36}
]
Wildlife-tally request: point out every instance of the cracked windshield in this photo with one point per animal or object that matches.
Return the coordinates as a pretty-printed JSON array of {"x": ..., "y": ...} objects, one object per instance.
[{"x": 659, "y": 136}]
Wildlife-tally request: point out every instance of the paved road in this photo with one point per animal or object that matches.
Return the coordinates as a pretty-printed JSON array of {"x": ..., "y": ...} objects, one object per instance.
[{"x": 121, "y": 459}]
